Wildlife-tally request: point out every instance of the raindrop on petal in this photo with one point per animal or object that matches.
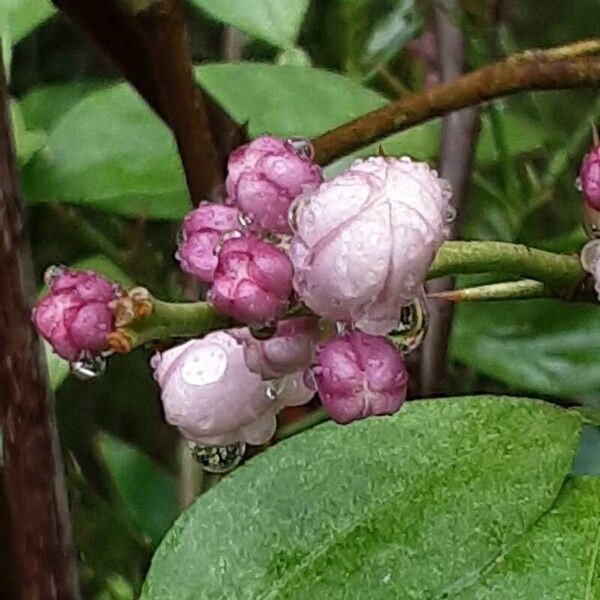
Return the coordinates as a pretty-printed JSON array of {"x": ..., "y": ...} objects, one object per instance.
[
  {"x": 273, "y": 390},
  {"x": 450, "y": 214},
  {"x": 218, "y": 459},
  {"x": 302, "y": 147},
  {"x": 412, "y": 326},
  {"x": 263, "y": 331},
  {"x": 589, "y": 255},
  {"x": 89, "y": 368},
  {"x": 52, "y": 273}
]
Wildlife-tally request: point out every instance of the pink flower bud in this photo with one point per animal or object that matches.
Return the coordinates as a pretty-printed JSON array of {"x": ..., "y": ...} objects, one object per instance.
[
  {"x": 201, "y": 233},
  {"x": 364, "y": 241},
  {"x": 265, "y": 176},
  {"x": 209, "y": 393},
  {"x": 75, "y": 317},
  {"x": 589, "y": 177},
  {"x": 288, "y": 351},
  {"x": 253, "y": 280},
  {"x": 359, "y": 375}
]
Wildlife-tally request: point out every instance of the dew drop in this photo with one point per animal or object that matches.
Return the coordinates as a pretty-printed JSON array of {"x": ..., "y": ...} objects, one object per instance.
[
  {"x": 244, "y": 220},
  {"x": 180, "y": 237},
  {"x": 218, "y": 459},
  {"x": 263, "y": 331},
  {"x": 589, "y": 255},
  {"x": 294, "y": 212},
  {"x": 89, "y": 368},
  {"x": 273, "y": 390},
  {"x": 450, "y": 214},
  {"x": 343, "y": 327},
  {"x": 52, "y": 273},
  {"x": 302, "y": 147},
  {"x": 412, "y": 326},
  {"x": 578, "y": 185}
]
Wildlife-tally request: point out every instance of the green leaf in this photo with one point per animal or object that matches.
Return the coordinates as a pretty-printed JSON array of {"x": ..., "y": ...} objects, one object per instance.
[
  {"x": 274, "y": 21},
  {"x": 44, "y": 105},
  {"x": 286, "y": 100},
  {"x": 540, "y": 346},
  {"x": 19, "y": 17},
  {"x": 557, "y": 559},
  {"x": 111, "y": 152},
  {"x": 27, "y": 142},
  {"x": 148, "y": 492},
  {"x": 408, "y": 506}
]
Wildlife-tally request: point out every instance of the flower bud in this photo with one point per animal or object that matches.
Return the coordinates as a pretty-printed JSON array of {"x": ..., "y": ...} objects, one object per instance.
[
  {"x": 202, "y": 230},
  {"x": 253, "y": 280},
  {"x": 209, "y": 393},
  {"x": 589, "y": 177},
  {"x": 288, "y": 351},
  {"x": 359, "y": 375},
  {"x": 265, "y": 176},
  {"x": 75, "y": 317},
  {"x": 364, "y": 240}
]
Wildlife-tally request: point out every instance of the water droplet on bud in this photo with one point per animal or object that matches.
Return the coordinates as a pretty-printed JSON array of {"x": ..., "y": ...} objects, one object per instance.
[
  {"x": 343, "y": 327},
  {"x": 578, "y": 185},
  {"x": 180, "y": 237},
  {"x": 244, "y": 220},
  {"x": 52, "y": 273},
  {"x": 273, "y": 390},
  {"x": 218, "y": 459},
  {"x": 263, "y": 331},
  {"x": 412, "y": 326},
  {"x": 89, "y": 368},
  {"x": 294, "y": 212},
  {"x": 302, "y": 147},
  {"x": 589, "y": 255},
  {"x": 450, "y": 214}
]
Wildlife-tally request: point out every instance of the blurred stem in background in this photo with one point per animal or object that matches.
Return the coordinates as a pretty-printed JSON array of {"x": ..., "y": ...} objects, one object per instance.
[
  {"x": 459, "y": 136},
  {"x": 33, "y": 469}
]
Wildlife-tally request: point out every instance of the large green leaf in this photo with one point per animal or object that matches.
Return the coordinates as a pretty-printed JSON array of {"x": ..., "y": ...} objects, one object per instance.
[
  {"x": 542, "y": 346},
  {"x": 149, "y": 493},
  {"x": 286, "y": 100},
  {"x": 44, "y": 105},
  {"x": 557, "y": 559},
  {"x": 20, "y": 17},
  {"x": 275, "y": 21},
  {"x": 111, "y": 152},
  {"x": 409, "y": 506}
]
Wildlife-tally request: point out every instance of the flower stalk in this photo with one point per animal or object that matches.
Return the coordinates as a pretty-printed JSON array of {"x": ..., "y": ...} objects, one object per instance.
[{"x": 561, "y": 276}]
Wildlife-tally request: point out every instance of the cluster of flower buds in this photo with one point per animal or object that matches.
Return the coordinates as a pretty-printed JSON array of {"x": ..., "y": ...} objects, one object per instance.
[
  {"x": 355, "y": 250},
  {"x": 588, "y": 183}
]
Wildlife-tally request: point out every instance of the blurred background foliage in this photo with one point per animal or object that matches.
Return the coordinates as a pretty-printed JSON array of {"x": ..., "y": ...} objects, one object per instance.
[{"x": 105, "y": 190}]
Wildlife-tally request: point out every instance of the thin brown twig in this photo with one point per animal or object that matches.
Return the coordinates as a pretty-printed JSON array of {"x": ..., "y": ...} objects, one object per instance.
[
  {"x": 531, "y": 70},
  {"x": 33, "y": 468},
  {"x": 459, "y": 134}
]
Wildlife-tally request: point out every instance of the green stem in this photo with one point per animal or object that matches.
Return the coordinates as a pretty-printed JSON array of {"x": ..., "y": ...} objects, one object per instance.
[
  {"x": 561, "y": 275},
  {"x": 505, "y": 290},
  {"x": 462, "y": 258}
]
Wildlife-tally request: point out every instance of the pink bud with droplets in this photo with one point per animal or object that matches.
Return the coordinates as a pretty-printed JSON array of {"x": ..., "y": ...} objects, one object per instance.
[
  {"x": 253, "y": 280},
  {"x": 266, "y": 175},
  {"x": 589, "y": 178},
  {"x": 75, "y": 317},
  {"x": 202, "y": 231},
  {"x": 359, "y": 375},
  {"x": 290, "y": 350},
  {"x": 209, "y": 393},
  {"x": 363, "y": 242}
]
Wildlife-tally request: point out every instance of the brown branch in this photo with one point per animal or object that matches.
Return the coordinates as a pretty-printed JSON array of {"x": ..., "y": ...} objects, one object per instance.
[
  {"x": 459, "y": 133},
  {"x": 33, "y": 469},
  {"x": 531, "y": 70},
  {"x": 147, "y": 41}
]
